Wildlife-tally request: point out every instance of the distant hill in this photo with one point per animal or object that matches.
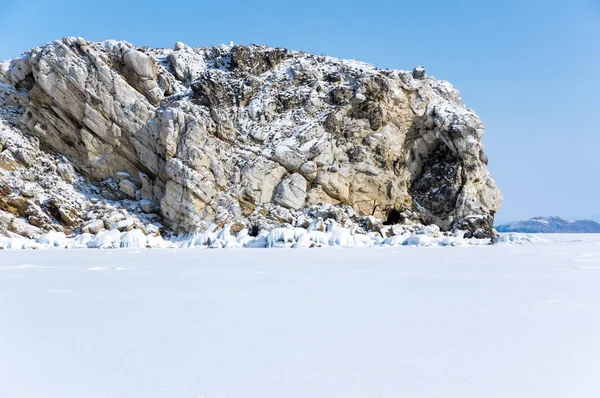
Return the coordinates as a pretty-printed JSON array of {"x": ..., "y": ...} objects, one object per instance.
[{"x": 548, "y": 225}]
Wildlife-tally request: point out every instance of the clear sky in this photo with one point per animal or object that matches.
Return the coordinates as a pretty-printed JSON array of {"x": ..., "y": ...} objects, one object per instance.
[{"x": 529, "y": 68}]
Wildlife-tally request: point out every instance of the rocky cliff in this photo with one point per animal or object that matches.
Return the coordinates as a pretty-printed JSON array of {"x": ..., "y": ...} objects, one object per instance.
[{"x": 250, "y": 135}]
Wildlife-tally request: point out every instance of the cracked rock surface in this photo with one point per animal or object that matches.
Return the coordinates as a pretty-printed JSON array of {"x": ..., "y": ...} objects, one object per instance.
[{"x": 230, "y": 134}]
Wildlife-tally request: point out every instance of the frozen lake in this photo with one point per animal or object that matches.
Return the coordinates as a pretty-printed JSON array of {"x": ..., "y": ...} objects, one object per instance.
[{"x": 485, "y": 321}]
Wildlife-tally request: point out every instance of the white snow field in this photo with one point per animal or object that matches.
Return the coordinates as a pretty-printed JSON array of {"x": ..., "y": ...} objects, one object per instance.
[{"x": 478, "y": 321}]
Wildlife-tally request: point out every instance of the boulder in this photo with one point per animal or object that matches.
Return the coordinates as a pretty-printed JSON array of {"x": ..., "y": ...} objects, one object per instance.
[
  {"x": 291, "y": 192},
  {"x": 140, "y": 64},
  {"x": 419, "y": 73},
  {"x": 148, "y": 206},
  {"x": 128, "y": 187},
  {"x": 93, "y": 227}
]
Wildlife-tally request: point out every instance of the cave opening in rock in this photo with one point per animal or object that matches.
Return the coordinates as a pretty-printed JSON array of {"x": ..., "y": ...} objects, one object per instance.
[
  {"x": 393, "y": 217},
  {"x": 254, "y": 230}
]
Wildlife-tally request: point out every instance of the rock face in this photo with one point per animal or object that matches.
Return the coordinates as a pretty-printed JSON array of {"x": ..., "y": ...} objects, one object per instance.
[
  {"x": 242, "y": 133},
  {"x": 549, "y": 225}
]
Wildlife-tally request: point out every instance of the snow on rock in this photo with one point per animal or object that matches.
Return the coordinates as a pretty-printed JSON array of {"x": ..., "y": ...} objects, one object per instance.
[
  {"x": 93, "y": 227},
  {"x": 516, "y": 238},
  {"x": 279, "y": 236},
  {"x": 418, "y": 240},
  {"x": 134, "y": 238},
  {"x": 53, "y": 239},
  {"x": 259, "y": 242},
  {"x": 247, "y": 135},
  {"x": 154, "y": 241},
  {"x": 121, "y": 235},
  {"x": 196, "y": 239},
  {"x": 396, "y": 240},
  {"x": 106, "y": 240},
  {"x": 339, "y": 236},
  {"x": 122, "y": 225},
  {"x": 303, "y": 241},
  {"x": 432, "y": 231},
  {"x": 320, "y": 238},
  {"x": 82, "y": 240},
  {"x": 14, "y": 243}
]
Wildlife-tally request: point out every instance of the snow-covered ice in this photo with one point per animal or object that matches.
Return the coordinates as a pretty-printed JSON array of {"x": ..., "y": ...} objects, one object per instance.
[
  {"x": 499, "y": 320},
  {"x": 217, "y": 238}
]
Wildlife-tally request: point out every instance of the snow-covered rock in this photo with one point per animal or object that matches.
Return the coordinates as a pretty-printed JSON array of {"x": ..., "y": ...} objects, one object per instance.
[
  {"x": 291, "y": 192},
  {"x": 517, "y": 238},
  {"x": 134, "y": 238},
  {"x": 106, "y": 240},
  {"x": 251, "y": 135},
  {"x": 53, "y": 239}
]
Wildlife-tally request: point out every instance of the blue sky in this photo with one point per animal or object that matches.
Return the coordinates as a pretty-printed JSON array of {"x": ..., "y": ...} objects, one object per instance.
[{"x": 530, "y": 69}]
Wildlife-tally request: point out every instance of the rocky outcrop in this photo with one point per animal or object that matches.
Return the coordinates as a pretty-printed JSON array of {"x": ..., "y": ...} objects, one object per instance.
[{"x": 246, "y": 134}]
